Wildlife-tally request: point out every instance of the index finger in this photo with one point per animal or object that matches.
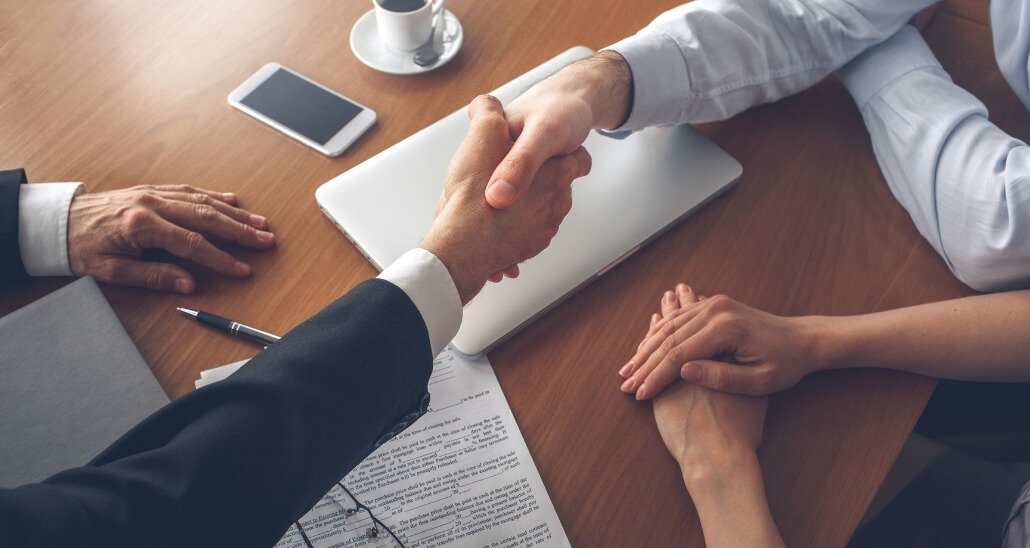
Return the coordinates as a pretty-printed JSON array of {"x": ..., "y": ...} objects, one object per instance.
[
  {"x": 487, "y": 140},
  {"x": 181, "y": 242}
]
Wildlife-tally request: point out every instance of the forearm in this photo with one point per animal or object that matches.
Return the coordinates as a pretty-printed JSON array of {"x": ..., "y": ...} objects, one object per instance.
[
  {"x": 602, "y": 81},
  {"x": 981, "y": 338},
  {"x": 729, "y": 494},
  {"x": 1012, "y": 44},
  {"x": 240, "y": 460},
  {"x": 710, "y": 59},
  {"x": 965, "y": 183}
]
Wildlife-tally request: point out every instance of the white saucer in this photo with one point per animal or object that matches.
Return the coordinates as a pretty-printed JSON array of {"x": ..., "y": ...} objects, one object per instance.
[{"x": 365, "y": 42}]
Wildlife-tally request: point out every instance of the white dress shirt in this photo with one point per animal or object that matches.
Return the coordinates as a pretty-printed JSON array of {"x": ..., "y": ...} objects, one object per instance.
[
  {"x": 43, "y": 227},
  {"x": 429, "y": 285},
  {"x": 965, "y": 182}
]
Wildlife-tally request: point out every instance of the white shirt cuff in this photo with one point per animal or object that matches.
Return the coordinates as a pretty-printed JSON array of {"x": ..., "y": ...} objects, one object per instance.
[
  {"x": 661, "y": 83},
  {"x": 868, "y": 74},
  {"x": 429, "y": 285},
  {"x": 43, "y": 227}
]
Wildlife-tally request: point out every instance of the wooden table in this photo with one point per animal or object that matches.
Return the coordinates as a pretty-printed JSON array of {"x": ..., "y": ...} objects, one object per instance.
[{"x": 123, "y": 93}]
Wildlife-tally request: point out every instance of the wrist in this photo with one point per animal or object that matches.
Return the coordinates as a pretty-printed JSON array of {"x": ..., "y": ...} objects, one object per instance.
[
  {"x": 824, "y": 341},
  {"x": 711, "y": 468},
  {"x": 730, "y": 501},
  {"x": 605, "y": 83},
  {"x": 468, "y": 278}
]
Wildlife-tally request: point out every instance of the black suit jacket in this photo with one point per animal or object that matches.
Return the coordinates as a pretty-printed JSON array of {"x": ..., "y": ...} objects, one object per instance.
[
  {"x": 237, "y": 462},
  {"x": 11, "y": 267}
]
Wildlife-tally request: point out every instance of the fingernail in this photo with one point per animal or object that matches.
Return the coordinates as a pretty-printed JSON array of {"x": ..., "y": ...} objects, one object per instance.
[
  {"x": 229, "y": 196},
  {"x": 265, "y": 237},
  {"x": 670, "y": 296},
  {"x": 640, "y": 393},
  {"x": 257, "y": 220},
  {"x": 691, "y": 372},
  {"x": 626, "y": 369},
  {"x": 628, "y": 385},
  {"x": 182, "y": 285},
  {"x": 502, "y": 192},
  {"x": 241, "y": 268},
  {"x": 681, "y": 288}
]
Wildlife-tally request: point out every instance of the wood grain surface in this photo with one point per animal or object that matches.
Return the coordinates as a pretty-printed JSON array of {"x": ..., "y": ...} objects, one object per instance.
[{"x": 118, "y": 93}]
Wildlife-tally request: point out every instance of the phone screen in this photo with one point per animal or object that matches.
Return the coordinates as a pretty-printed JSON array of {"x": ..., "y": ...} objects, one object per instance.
[{"x": 301, "y": 106}]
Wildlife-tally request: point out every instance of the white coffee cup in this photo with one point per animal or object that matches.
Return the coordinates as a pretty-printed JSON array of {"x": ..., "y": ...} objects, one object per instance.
[{"x": 405, "y": 25}]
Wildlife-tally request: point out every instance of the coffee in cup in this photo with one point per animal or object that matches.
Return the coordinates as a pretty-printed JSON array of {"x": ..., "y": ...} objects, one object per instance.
[{"x": 402, "y": 6}]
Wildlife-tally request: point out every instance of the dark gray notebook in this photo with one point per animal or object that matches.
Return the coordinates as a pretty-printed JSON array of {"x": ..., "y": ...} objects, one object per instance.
[{"x": 71, "y": 382}]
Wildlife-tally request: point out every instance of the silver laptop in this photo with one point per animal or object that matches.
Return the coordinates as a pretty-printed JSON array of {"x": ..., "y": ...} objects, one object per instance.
[{"x": 638, "y": 188}]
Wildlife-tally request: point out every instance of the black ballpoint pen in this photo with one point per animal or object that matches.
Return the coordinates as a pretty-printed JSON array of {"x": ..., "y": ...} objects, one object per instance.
[{"x": 229, "y": 326}]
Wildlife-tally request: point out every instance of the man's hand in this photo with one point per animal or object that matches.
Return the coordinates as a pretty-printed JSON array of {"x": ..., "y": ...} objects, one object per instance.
[
  {"x": 108, "y": 232},
  {"x": 474, "y": 240},
  {"x": 554, "y": 117},
  {"x": 720, "y": 344}
]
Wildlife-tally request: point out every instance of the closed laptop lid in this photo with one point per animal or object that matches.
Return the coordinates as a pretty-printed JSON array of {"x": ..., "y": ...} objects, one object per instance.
[{"x": 638, "y": 187}]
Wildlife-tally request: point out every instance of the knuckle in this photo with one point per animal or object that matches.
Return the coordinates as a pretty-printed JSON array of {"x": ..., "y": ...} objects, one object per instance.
[
  {"x": 715, "y": 378},
  {"x": 569, "y": 168},
  {"x": 720, "y": 303},
  {"x": 205, "y": 213},
  {"x": 144, "y": 198},
  {"x": 136, "y": 219},
  {"x": 667, "y": 330},
  {"x": 677, "y": 355},
  {"x": 107, "y": 271},
  {"x": 586, "y": 161},
  {"x": 665, "y": 347},
  {"x": 487, "y": 98},
  {"x": 725, "y": 323},
  {"x": 154, "y": 279},
  {"x": 193, "y": 241},
  {"x": 564, "y": 206}
]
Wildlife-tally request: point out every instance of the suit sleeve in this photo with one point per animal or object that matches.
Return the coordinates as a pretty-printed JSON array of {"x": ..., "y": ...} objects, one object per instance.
[
  {"x": 11, "y": 267},
  {"x": 237, "y": 462}
]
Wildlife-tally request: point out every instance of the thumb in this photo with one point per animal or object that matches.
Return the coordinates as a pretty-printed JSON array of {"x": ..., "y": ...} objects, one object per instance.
[
  {"x": 515, "y": 174},
  {"x": 136, "y": 273},
  {"x": 727, "y": 377}
]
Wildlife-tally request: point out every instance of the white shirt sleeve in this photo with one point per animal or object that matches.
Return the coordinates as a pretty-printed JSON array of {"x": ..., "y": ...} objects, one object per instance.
[
  {"x": 429, "y": 285},
  {"x": 711, "y": 59},
  {"x": 1010, "y": 22},
  {"x": 43, "y": 227},
  {"x": 965, "y": 182}
]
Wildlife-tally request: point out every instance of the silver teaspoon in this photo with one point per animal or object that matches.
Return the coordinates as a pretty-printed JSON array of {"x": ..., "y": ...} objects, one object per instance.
[{"x": 427, "y": 54}]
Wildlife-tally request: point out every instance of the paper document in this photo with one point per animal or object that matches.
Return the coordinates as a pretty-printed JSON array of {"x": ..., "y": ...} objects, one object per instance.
[{"x": 461, "y": 476}]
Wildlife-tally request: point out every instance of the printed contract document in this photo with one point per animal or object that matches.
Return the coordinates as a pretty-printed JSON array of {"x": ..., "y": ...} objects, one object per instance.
[{"x": 461, "y": 476}]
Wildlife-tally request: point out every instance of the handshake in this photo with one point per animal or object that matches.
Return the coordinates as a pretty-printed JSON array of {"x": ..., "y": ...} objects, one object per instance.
[{"x": 506, "y": 192}]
